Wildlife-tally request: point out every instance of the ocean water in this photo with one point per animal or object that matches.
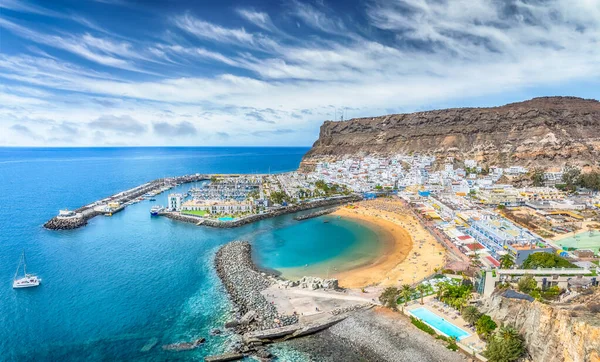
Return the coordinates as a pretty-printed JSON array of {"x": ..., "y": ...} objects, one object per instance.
[{"x": 125, "y": 281}]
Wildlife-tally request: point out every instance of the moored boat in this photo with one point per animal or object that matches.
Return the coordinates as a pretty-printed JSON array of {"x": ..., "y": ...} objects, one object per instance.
[
  {"x": 155, "y": 210},
  {"x": 27, "y": 280}
]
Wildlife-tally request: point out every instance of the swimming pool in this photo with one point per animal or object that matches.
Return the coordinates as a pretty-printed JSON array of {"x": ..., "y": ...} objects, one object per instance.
[
  {"x": 226, "y": 218},
  {"x": 439, "y": 323}
]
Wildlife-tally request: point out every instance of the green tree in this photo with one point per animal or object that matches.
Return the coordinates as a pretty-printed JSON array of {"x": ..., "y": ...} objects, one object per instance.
[
  {"x": 506, "y": 345},
  {"x": 422, "y": 289},
  {"x": 471, "y": 314},
  {"x": 527, "y": 284},
  {"x": 546, "y": 260},
  {"x": 571, "y": 177},
  {"x": 278, "y": 197},
  {"x": 485, "y": 326},
  {"x": 441, "y": 288},
  {"x": 389, "y": 297},
  {"x": 590, "y": 180},
  {"x": 537, "y": 177},
  {"x": 406, "y": 292},
  {"x": 506, "y": 261}
]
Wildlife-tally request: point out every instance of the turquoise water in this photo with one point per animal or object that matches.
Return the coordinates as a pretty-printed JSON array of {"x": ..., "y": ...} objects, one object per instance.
[
  {"x": 439, "y": 323},
  {"x": 113, "y": 286},
  {"x": 585, "y": 240},
  {"x": 317, "y": 248},
  {"x": 226, "y": 218}
]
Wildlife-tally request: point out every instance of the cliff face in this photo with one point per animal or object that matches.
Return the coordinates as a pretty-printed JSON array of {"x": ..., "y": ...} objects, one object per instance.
[
  {"x": 553, "y": 333},
  {"x": 550, "y": 131}
]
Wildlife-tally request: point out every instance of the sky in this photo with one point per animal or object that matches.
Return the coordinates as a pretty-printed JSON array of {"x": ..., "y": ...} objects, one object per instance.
[{"x": 268, "y": 73}]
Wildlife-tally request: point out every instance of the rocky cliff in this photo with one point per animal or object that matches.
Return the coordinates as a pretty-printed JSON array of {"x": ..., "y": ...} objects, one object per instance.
[
  {"x": 549, "y": 131},
  {"x": 567, "y": 332}
]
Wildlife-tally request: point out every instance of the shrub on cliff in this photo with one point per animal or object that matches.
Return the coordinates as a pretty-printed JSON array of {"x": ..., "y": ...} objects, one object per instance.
[
  {"x": 389, "y": 297},
  {"x": 505, "y": 346},
  {"x": 471, "y": 314},
  {"x": 527, "y": 284},
  {"x": 485, "y": 326}
]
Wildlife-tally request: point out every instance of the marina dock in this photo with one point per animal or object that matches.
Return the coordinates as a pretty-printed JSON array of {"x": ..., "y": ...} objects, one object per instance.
[{"x": 117, "y": 202}]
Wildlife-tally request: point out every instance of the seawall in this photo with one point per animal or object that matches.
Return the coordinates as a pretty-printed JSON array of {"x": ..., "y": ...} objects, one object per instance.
[
  {"x": 244, "y": 283},
  {"x": 315, "y": 214},
  {"x": 258, "y": 217}
]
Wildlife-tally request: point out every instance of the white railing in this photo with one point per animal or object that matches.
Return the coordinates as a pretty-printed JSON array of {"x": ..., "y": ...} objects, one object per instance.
[{"x": 545, "y": 271}]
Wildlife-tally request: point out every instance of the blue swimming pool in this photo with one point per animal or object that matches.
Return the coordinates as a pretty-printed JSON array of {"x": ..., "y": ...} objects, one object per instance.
[
  {"x": 226, "y": 218},
  {"x": 439, "y": 323}
]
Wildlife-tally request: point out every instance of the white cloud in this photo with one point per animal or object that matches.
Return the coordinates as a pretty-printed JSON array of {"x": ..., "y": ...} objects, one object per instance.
[
  {"x": 258, "y": 18},
  {"x": 431, "y": 51}
]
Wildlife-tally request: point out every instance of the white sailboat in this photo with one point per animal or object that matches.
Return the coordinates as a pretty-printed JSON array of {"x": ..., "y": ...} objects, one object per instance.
[{"x": 27, "y": 280}]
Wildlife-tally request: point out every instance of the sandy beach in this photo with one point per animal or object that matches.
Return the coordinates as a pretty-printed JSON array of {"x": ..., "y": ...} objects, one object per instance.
[{"x": 409, "y": 255}]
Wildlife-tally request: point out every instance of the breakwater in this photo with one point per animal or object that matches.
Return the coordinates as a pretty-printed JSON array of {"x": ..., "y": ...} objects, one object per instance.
[
  {"x": 257, "y": 321},
  {"x": 85, "y": 213},
  {"x": 315, "y": 214},
  {"x": 244, "y": 283},
  {"x": 254, "y": 218}
]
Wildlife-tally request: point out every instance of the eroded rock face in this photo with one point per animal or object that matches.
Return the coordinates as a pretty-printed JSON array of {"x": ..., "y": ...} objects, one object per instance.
[
  {"x": 553, "y": 333},
  {"x": 549, "y": 131}
]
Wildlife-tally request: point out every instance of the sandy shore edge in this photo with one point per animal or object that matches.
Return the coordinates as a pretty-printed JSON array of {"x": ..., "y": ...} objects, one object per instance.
[{"x": 408, "y": 255}]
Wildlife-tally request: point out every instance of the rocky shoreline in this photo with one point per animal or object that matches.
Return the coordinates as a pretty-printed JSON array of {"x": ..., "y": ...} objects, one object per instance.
[
  {"x": 315, "y": 214},
  {"x": 67, "y": 224},
  {"x": 244, "y": 283},
  {"x": 369, "y": 335},
  {"x": 258, "y": 217}
]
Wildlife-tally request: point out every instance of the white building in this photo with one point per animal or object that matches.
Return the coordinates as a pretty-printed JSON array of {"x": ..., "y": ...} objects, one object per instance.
[
  {"x": 218, "y": 206},
  {"x": 470, "y": 163},
  {"x": 174, "y": 203}
]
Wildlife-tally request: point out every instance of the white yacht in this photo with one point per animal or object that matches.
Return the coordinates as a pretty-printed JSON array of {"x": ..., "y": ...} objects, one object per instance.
[
  {"x": 155, "y": 210},
  {"x": 27, "y": 280}
]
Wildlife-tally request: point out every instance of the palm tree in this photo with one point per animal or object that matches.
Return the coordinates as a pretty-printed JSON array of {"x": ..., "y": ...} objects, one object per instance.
[
  {"x": 506, "y": 261},
  {"x": 422, "y": 289},
  {"x": 406, "y": 292},
  {"x": 508, "y": 333},
  {"x": 441, "y": 288}
]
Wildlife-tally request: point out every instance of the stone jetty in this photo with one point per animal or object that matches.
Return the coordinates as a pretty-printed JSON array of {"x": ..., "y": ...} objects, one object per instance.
[
  {"x": 244, "y": 283},
  {"x": 75, "y": 222},
  {"x": 315, "y": 214}
]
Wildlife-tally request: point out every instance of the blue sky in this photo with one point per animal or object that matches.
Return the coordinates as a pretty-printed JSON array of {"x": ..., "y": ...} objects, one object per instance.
[{"x": 136, "y": 73}]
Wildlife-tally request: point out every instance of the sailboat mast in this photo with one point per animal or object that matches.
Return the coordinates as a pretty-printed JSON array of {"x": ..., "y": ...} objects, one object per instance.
[
  {"x": 18, "y": 267},
  {"x": 24, "y": 264}
]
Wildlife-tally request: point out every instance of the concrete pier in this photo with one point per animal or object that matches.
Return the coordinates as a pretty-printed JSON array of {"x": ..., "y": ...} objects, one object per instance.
[{"x": 85, "y": 213}]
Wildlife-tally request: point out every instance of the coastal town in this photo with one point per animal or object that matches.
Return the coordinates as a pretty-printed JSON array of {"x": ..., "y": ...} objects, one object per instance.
[{"x": 450, "y": 225}]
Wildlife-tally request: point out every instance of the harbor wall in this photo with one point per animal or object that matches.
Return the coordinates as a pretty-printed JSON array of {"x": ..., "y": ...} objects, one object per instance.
[
  {"x": 253, "y": 218},
  {"x": 87, "y": 212},
  {"x": 315, "y": 214}
]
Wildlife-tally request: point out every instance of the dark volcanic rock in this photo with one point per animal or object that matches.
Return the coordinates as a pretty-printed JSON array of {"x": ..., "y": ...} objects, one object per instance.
[
  {"x": 549, "y": 131},
  {"x": 244, "y": 283}
]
